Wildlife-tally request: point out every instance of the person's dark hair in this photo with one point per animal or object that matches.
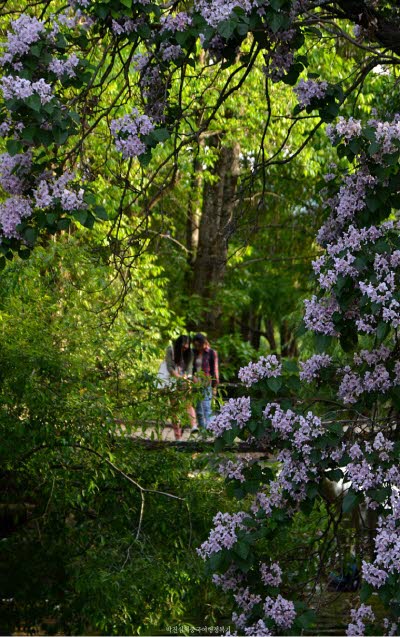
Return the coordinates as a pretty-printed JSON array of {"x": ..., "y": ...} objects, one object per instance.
[
  {"x": 200, "y": 338},
  {"x": 181, "y": 354}
]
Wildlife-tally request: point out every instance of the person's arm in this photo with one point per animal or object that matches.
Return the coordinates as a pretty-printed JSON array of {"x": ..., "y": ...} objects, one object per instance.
[
  {"x": 169, "y": 359},
  {"x": 190, "y": 364},
  {"x": 215, "y": 371}
]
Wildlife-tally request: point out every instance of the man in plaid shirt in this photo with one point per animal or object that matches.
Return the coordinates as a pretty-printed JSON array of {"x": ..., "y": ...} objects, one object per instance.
[{"x": 205, "y": 361}]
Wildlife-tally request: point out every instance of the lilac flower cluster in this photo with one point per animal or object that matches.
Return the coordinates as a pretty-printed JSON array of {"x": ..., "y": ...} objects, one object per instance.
[
  {"x": 390, "y": 628},
  {"x": 170, "y": 51},
  {"x": 12, "y": 212},
  {"x": 246, "y": 600},
  {"x": 259, "y": 629},
  {"x": 48, "y": 193},
  {"x": 309, "y": 90},
  {"x": 280, "y": 61},
  {"x": 310, "y": 368},
  {"x": 127, "y": 131},
  {"x": 318, "y": 314},
  {"x": 153, "y": 86},
  {"x": 64, "y": 67},
  {"x": 347, "y": 128},
  {"x": 229, "y": 581},
  {"x": 349, "y": 201},
  {"x": 385, "y": 287},
  {"x": 223, "y": 535},
  {"x": 232, "y": 470},
  {"x": 14, "y": 171},
  {"x": 19, "y": 88},
  {"x": 25, "y": 32},
  {"x": 359, "y": 616},
  {"x": 16, "y": 180},
  {"x": 365, "y": 472},
  {"x": 265, "y": 367},
  {"x": 280, "y": 610},
  {"x": 387, "y": 546},
  {"x": 124, "y": 26},
  {"x": 216, "y": 11},
  {"x": 353, "y": 385},
  {"x": 236, "y": 412},
  {"x": 178, "y": 22},
  {"x": 271, "y": 575},
  {"x": 386, "y": 134}
]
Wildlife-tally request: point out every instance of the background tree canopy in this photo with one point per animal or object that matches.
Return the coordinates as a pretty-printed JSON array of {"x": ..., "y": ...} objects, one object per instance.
[{"x": 165, "y": 168}]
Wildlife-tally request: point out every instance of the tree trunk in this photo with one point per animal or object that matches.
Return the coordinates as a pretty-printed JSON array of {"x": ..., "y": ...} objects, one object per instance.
[
  {"x": 216, "y": 227},
  {"x": 269, "y": 333},
  {"x": 288, "y": 341}
]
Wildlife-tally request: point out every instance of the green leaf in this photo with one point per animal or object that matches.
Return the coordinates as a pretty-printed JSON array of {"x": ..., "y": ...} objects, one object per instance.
[
  {"x": 274, "y": 384},
  {"x": 160, "y": 134},
  {"x": 334, "y": 474},
  {"x": 90, "y": 221},
  {"x": 350, "y": 501},
  {"x": 101, "y": 213},
  {"x": 80, "y": 216},
  {"x": 60, "y": 136},
  {"x": 64, "y": 223},
  {"x": 382, "y": 330},
  {"x": 290, "y": 366},
  {"x": 226, "y": 28},
  {"x": 242, "y": 549},
  {"x": 277, "y": 21},
  {"x": 30, "y": 235},
  {"x": 379, "y": 495},
  {"x": 14, "y": 146},
  {"x": 322, "y": 342},
  {"x": 366, "y": 592},
  {"x": 373, "y": 203},
  {"x": 34, "y": 102},
  {"x": 145, "y": 158}
]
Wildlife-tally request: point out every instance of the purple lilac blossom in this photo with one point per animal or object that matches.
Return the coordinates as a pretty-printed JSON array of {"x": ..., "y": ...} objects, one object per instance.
[
  {"x": 390, "y": 627},
  {"x": 357, "y": 627},
  {"x": 235, "y": 412},
  {"x": 265, "y": 367},
  {"x": 229, "y": 581},
  {"x": 371, "y": 357},
  {"x": 310, "y": 368},
  {"x": 124, "y": 26},
  {"x": 13, "y": 172},
  {"x": 19, "y": 88},
  {"x": 42, "y": 196},
  {"x": 216, "y": 11},
  {"x": 309, "y": 90},
  {"x": 178, "y": 22},
  {"x": 27, "y": 30},
  {"x": 12, "y": 211},
  {"x": 348, "y": 202},
  {"x": 259, "y": 629},
  {"x": 348, "y": 128},
  {"x": 232, "y": 470},
  {"x": 387, "y": 543},
  {"x": 131, "y": 126},
  {"x": 223, "y": 535},
  {"x": 246, "y": 600},
  {"x": 271, "y": 575},
  {"x": 170, "y": 51},
  {"x": 64, "y": 67},
  {"x": 281, "y": 610},
  {"x": 318, "y": 315}
]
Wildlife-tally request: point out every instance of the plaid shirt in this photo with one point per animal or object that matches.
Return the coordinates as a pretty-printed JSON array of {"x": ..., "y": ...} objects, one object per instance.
[{"x": 209, "y": 365}]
